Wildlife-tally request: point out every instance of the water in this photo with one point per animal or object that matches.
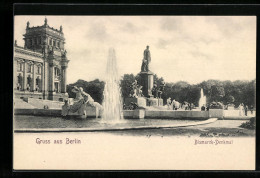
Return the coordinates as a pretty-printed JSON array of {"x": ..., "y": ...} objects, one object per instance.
[
  {"x": 112, "y": 103},
  {"x": 26, "y": 121},
  {"x": 202, "y": 100}
]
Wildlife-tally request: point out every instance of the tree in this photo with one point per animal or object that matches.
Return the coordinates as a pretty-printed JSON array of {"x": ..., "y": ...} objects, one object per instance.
[
  {"x": 193, "y": 94},
  {"x": 229, "y": 99},
  {"x": 158, "y": 81},
  {"x": 219, "y": 91},
  {"x": 126, "y": 83},
  {"x": 95, "y": 88}
]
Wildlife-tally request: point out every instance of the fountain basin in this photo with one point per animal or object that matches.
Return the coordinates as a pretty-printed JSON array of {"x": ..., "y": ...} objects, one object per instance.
[
  {"x": 135, "y": 114},
  {"x": 58, "y": 124}
]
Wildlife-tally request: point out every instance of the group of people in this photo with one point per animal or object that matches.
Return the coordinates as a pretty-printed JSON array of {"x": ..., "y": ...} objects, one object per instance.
[
  {"x": 187, "y": 106},
  {"x": 204, "y": 108},
  {"x": 175, "y": 105},
  {"x": 243, "y": 109}
]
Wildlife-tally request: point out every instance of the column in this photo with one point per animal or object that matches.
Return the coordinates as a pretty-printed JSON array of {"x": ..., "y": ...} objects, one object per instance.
[
  {"x": 45, "y": 77},
  {"x": 24, "y": 76},
  {"x": 15, "y": 75},
  {"x": 42, "y": 79},
  {"x": 51, "y": 78},
  {"x": 33, "y": 78},
  {"x": 64, "y": 79}
]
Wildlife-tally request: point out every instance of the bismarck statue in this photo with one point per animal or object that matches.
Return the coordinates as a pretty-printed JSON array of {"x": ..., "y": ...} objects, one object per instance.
[
  {"x": 141, "y": 93},
  {"x": 146, "y": 75},
  {"x": 151, "y": 92},
  {"x": 146, "y": 60}
]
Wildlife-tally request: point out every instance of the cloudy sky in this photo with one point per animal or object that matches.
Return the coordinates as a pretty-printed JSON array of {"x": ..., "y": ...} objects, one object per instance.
[{"x": 187, "y": 48}]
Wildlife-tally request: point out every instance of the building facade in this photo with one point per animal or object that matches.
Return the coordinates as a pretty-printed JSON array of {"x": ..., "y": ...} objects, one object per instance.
[{"x": 40, "y": 67}]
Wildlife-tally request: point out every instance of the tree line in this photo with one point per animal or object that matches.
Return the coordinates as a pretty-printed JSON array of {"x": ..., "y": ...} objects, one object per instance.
[{"x": 226, "y": 92}]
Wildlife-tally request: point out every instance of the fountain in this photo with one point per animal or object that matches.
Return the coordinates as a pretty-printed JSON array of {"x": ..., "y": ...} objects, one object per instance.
[
  {"x": 202, "y": 100},
  {"x": 111, "y": 113},
  {"x": 112, "y": 102}
]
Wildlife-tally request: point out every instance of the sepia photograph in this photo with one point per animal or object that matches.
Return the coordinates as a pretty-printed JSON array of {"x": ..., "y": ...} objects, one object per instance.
[{"x": 134, "y": 92}]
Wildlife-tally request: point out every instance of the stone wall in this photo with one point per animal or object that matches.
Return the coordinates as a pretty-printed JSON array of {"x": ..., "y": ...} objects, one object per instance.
[
  {"x": 176, "y": 114},
  {"x": 38, "y": 103},
  {"x": 141, "y": 101},
  {"x": 91, "y": 112},
  {"x": 218, "y": 113}
]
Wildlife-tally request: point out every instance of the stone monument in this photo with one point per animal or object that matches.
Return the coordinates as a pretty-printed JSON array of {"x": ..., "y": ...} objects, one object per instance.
[
  {"x": 147, "y": 81},
  {"x": 146, "y": 75},
  {"x": 142, "y": 93}
]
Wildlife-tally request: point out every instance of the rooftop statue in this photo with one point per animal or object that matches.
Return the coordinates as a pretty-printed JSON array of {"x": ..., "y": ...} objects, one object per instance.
[
  {"x": 28, "y": 25},
  {"x": 45, "y": 21}
]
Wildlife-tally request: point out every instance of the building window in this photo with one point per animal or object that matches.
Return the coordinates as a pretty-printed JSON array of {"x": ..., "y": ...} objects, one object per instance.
[
  {"x": 57, "y": 72},
  {"x": 39, "y": 71},
  {"x": 58, "y": 44},
  {"x": 50, "y": 42},
  {"x": 38, "y": 84},
  {"x": 56, "y": 85},
  {"x": 19, "y": 82},
  {"x": 30, "y": 68},
  {"x": 54, "y": 43},
  {"x": 20, "y": 66},
  {"x": 29, "y": 83}
]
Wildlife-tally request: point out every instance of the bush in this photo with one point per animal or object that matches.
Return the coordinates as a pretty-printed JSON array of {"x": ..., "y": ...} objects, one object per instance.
[{"x": 249, "y": 124}]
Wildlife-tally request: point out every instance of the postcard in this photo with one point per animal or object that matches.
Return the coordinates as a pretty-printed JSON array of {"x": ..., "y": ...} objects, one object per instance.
[{"x": 134, "y": 92}]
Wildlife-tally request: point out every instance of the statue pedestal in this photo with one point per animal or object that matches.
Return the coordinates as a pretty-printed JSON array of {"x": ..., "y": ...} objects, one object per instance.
[
  {"x": 160, "y": 102},
  {"x": 147, "y": 83},
  {"x": 140, "y": 101},
  {"x": 143, "y": 102},
  {"x": 154, "y": 102}
]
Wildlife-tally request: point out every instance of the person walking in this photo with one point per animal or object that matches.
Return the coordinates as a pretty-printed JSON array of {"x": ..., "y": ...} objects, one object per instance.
[
  {"x": 246, "y": 108},
  {"x": 251, "y": 109},
  {"x": 203, "y": 108},
  {"x": 240, "y": 109},
  {"x": 169, "y": 103}
]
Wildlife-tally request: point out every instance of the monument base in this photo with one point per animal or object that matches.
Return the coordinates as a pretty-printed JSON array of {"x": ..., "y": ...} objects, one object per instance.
[
  {"x": 147, "y": 83},
  {"x": 154, "y": 102},
  {"x": 141, "y": 101}
]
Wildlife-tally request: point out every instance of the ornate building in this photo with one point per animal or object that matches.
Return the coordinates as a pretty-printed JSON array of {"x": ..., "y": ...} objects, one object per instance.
[{"x": 40, "y": 67}]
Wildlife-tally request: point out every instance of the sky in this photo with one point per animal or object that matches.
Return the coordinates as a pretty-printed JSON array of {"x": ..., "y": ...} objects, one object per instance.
[{"x": 183, "y": 48}]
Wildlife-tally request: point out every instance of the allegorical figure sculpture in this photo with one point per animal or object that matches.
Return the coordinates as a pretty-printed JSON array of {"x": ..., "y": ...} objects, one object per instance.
[
  {"x": 146, "y": 60},
  {"x": 136, "y": 90},
  {"x": 81, "y": 100},
  {"x": 161, "y": 89}
]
